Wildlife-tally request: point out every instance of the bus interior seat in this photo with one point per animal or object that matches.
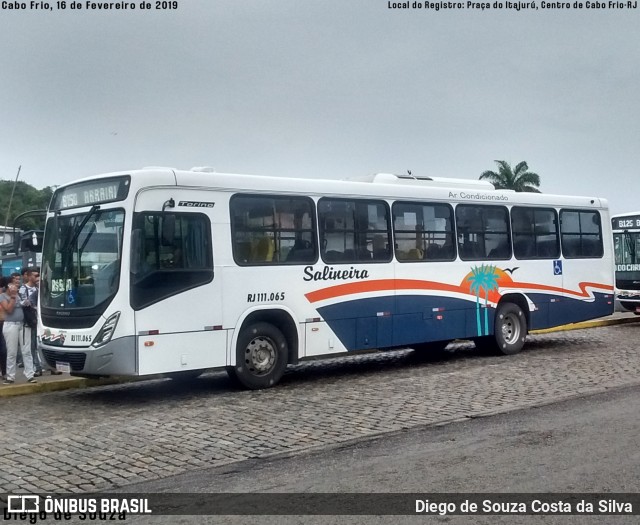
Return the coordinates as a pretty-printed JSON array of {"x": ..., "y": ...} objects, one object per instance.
[
  {"x": 364, "y": 254},
  {"x": 414, "y": 254},
  {"x": 242, "y": 251},
  {"x": 433, "y": 252},
  {"x": 447, "y": 252},
  {"x": 262, "y": 249},
  {"x": 380, "y": 248},
  {"x": 302, "y": 251},
  {"x": 349, "y": 255},
  {"x": 547, "y": 249},
  {"x": 468, "y": 250},
  {"x": 500, "y": 252},
  {"x": 333, "y": 256}
]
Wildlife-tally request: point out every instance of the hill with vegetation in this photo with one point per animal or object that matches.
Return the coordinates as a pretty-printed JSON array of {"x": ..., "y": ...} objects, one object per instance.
[{"x": 25, "y": 198}]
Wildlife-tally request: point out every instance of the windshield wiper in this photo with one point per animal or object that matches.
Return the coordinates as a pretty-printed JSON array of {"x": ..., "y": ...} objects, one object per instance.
[
  {"x": 79, "y": 227},
  {"x": 67, "y": 252},
  {"x": 631, "y": 245}
]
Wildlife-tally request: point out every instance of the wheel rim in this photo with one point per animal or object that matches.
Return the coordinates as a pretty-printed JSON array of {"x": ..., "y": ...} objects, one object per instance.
[
  {"x": 260, "y": 355},
  {"x": 510, "y": 328}
]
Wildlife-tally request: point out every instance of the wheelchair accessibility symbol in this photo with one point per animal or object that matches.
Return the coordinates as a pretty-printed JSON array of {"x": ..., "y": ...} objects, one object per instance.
[{"x": 557, "y": 267}]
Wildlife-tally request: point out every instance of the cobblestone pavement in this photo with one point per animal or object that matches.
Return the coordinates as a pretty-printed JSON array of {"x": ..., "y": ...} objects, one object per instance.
[{"x": 106, "y": 437}]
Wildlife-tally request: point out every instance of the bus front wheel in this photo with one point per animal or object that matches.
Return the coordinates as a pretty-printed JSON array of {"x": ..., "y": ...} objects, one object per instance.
[{"x": 261, "y": 356}]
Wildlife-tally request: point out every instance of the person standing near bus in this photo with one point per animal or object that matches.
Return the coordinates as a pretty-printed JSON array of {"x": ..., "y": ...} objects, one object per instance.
[
  {"x": 16, "y": 279},
  {"x": 28, "y": 293},
  {"x": 3, "y": 346},
  {"x": 17, "y": 336}
]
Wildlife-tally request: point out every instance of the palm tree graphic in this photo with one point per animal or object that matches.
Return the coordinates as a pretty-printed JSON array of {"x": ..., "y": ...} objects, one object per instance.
[{"x": 484, "y": 278}]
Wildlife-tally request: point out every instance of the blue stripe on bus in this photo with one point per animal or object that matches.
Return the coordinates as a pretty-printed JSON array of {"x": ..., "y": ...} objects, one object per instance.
[{"x": 388, "y": 321}]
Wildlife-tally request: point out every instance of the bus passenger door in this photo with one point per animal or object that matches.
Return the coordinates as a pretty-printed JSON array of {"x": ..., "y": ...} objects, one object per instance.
[{"x": 174, "y": 292}]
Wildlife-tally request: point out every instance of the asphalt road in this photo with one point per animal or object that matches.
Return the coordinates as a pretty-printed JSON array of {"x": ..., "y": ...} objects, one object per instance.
[
  {"x": 113, "y": 437},
  {"x": 584, "y": 445}
]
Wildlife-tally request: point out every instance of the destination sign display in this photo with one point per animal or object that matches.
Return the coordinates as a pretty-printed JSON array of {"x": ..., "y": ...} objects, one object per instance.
[
  {"x": 91, "y": 192},
  {"x": 624, "y": 223}
]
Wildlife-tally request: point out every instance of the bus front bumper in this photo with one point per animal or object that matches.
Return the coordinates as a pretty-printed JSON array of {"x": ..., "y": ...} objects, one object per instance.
[
  {"x": 117, "y": 357},
  {"x": 629, "y": 300}
]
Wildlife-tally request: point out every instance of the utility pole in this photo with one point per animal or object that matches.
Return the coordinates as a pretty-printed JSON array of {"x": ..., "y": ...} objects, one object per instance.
[{"x": 6, "y": 221}]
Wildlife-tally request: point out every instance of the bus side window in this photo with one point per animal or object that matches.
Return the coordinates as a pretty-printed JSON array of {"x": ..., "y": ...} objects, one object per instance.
[
  {"x": 535, "y": 233},
  {"x": 268, "y": 229},
  {"x": 581, "y": 233},
  {"x": 423, "y": 231},
  {"x": 481, "y": 229},
  {"x": 349, "y": 228}
]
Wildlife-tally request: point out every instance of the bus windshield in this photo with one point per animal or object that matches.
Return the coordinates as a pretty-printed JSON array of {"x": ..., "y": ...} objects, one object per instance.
[
  {"x": 81, "y": 259},
  {"x": 627, "y": 248}
]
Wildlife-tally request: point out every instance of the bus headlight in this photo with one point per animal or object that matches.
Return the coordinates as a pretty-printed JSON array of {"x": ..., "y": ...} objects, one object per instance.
[{"x": 105, "y": 333}]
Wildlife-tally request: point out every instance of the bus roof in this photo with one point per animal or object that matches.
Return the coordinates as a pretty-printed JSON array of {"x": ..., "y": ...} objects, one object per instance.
[{"x": 381, "y": 185}]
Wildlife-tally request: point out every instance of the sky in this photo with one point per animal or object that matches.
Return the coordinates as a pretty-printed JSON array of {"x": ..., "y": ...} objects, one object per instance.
[{"x": 324, "y": 88}]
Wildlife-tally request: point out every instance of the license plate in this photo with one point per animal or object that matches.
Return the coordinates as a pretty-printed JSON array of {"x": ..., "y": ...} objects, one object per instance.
[{"x": 63, "y": 367}]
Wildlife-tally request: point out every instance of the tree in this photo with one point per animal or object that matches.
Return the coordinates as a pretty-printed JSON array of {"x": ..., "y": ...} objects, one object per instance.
[
  {"x": 518, "y": 179},
  {"x": 25, "y": 198}
]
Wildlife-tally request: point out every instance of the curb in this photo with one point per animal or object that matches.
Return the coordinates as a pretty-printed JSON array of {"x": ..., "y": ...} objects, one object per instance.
[
  {"x": 588, "y": 324},
  {"x": 67, "y": 384},
  {"x": 79, "y": 382},
  {"x": 28, "y": 388}
]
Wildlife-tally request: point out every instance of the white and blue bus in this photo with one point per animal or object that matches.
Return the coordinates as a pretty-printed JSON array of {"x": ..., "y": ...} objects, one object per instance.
[
  {"x": 168, "y": 271},
  {"x": 626, "y": 241}
]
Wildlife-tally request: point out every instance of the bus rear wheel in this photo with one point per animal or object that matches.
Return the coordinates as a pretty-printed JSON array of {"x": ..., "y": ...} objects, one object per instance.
[
  {"x": 261, "y": 356},
  {"x": 510, "y": 331},
  {"x": 510, "y": 328}
]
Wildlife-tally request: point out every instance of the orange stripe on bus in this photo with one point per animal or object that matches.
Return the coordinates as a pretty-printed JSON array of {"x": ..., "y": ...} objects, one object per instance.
[{"x": 381, "y": 285}]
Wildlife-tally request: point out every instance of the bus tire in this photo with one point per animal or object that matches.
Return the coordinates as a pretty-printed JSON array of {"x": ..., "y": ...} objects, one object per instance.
[
  {"x": 510, "y": 329},
  {"x": 261, "y": 356}
]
